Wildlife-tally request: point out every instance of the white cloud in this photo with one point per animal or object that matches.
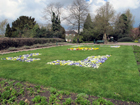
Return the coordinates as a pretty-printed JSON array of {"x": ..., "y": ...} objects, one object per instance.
[
  {"x": 100, "y": 1},
  {"x": 39, "y": 1},
  {"x": 125, "y": 4},
  {"x": 95, "y": 5},
  {"x": 12, "y": 9},
  {"x": 90, "y": 1}
]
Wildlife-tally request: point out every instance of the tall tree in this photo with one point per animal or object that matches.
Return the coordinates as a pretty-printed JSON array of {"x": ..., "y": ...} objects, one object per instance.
[
  {"x": 3, "y": 26},
  {"x": 62, "y": 30},
  {"x": 88, "y": 30},
  {"x": 130, "y": 20},
  {"x": 88, "y": 24},
  {"x": 78, "y": 12},
  {"x": 21, "y": 25},
  {"x": 105, "y": 19},
  {"x": 123, "y": 26},
  {"x": 56, "y": 25},
  {"x": 8, "y": 32},
  {"x": 50, "y": 8}
]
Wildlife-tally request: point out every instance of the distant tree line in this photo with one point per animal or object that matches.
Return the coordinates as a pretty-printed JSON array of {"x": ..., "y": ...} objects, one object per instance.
[
  {"x": 26, "y": 27},
  {"x": 106, "y": 24}
]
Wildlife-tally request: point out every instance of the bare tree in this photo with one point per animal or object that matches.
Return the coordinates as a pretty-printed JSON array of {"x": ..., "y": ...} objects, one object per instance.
[
  {"x": 105, "y": 17},
  {"x": 50, "y": 8},
  {"x": 78, "y": 12},
  {"x": 117, "y": 20},
  {"x": 3, "y": 26}
]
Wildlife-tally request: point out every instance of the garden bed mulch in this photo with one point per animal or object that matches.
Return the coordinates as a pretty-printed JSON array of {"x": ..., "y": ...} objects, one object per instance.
[{"x": 31, "y": 90}]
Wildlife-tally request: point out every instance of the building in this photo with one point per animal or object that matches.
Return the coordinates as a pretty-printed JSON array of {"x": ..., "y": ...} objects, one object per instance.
[
  {"x": 69, "y": 35},
  {"x": 135, "y": 33}
]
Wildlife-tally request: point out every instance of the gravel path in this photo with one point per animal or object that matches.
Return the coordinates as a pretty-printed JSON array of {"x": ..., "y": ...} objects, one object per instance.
[{"x": 129, "y": 44}]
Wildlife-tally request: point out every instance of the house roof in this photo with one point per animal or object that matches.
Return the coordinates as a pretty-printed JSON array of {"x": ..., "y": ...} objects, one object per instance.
[
  {"x": 135, "y": 29},
  {"x": 71, "y": 32}
]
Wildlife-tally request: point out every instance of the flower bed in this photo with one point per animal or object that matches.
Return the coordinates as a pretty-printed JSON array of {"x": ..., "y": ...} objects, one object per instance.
[
  {"x": 91, "y": 61},
  {"x": 82, "y": 48},
  {"x": 115, "y": 46},
  {"x": 24, "y": 58}
]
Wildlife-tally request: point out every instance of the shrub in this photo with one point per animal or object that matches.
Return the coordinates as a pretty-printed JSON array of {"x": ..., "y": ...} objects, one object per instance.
[
  {"x": 52, "y": 99},
  {"x": 81, "y": 99},
  {"x": 68, "y": 101},
  {"x": 136, "y": 41},
  {"x": 37, "y": 99},
  {"x": 125, "y": 39},
  {"x": 5, "y": 43},
  {"x": 14, "y": 92},
  {"x": 80, "y": 39},
  {"x": 82, "y": 95},
  {"x": 22, "y": 103},
  {"x": 6, "y": 94},
  {"x": 53, "y": 90},
  {"x": 101, "y": 101}
]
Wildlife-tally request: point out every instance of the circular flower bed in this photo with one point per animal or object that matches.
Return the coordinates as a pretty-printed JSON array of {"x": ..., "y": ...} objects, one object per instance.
[
  {"x": 82, "y": 48},
  {"x": 91, "y": 61},
  {"x": 24, "y": 58}
]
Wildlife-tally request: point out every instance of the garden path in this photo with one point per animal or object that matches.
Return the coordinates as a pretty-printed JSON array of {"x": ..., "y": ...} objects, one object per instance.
[{"x": 118, "y": 43}]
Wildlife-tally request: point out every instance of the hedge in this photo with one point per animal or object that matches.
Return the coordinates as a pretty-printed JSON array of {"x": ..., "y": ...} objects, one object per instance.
[
  {"x": 5, "y": 43},
  {"x": 125, "y": 39}
]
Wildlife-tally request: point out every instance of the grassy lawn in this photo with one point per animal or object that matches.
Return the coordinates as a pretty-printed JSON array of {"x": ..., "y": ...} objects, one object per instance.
[{"x": 117, "y": 78}]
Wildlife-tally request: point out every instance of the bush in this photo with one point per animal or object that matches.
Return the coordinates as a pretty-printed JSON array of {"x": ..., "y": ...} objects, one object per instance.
[
  {"x": 80, "y": 39},
  {"x": 136, "y": 41},
  {"x": 5, "y": 43},
  {"x": 125, "y": 39}
]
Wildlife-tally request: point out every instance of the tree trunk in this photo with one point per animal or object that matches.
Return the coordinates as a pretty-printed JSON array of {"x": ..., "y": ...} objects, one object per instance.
[
  {"x": 104, "y": 38},
  {"x": 78, "y": 27}
]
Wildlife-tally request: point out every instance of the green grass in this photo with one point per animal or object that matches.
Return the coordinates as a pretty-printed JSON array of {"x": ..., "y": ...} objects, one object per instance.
[{"x": 119, "y": 74}]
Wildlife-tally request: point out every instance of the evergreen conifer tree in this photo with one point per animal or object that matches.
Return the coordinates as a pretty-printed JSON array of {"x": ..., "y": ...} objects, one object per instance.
[
  {"x": 88, "y": 33},
  {"x": 8, "y": 32},
  {"x": 21, "y": 25},
  {"x": 56, "y": 25},
  {"x": 123, "y": 26},
  {"x": 88, "y": 23}
]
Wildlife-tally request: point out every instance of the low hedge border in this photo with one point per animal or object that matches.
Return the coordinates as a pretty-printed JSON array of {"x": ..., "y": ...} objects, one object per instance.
[{"x": 5, "y": 43}]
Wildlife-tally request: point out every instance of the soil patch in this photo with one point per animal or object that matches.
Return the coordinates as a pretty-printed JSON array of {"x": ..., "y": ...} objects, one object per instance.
[{"x": 31, "y": 90}]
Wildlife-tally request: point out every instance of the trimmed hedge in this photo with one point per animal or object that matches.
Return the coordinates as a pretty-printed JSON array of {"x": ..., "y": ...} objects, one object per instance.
[
  {"x": 5, "y": 43},
  {"x": 125, "y": 39}
]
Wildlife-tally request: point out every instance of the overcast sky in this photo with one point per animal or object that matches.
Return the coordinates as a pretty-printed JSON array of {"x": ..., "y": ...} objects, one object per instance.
[{"x": 12, "y": 9}]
